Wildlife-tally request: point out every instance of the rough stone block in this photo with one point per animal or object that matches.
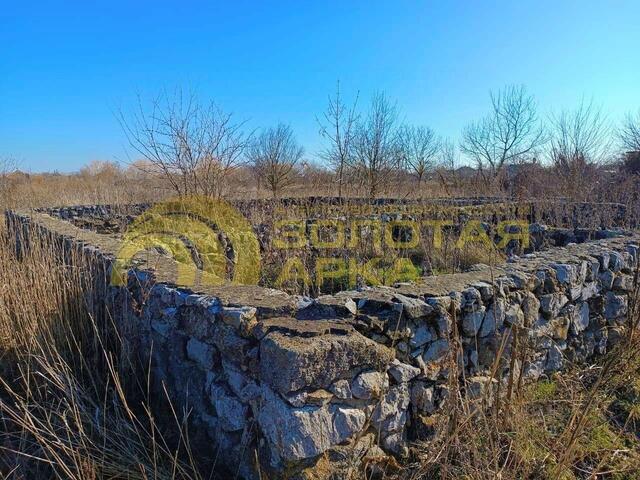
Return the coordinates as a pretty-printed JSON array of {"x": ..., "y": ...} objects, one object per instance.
[{"x": 289, "y": 362}]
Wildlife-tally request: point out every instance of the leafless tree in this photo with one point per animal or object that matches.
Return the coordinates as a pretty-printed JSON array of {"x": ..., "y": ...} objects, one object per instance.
[
  {"x": 8, "y": 165},
  {"x": 193, "y": 145},
  {"x": 274, "y": 154},
  {"x": 449, "y": 155},
  {"x": 580, "y": 140},
  {"x": 630, "y": 132},
  {"x": 338, "y": 127},
  {"x": 419, "y": 148},
  {"x": 447, "y": 162},
  {"x": 579, "y": 136},
  {"x": 510, "y": 131},
  {"x": 376, "y": 146}
]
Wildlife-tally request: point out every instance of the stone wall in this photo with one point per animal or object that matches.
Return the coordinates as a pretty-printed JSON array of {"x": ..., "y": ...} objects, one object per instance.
[
  {"x": 490, "y": 209},
  {"x": 282, "y": 384}
]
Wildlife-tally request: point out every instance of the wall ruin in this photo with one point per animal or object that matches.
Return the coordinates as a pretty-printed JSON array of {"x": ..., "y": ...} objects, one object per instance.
[{"x": 281, "y": 384}]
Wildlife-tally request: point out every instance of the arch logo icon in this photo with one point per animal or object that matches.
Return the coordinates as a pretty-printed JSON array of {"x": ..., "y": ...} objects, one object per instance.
[{"x": 210, "y": 241}]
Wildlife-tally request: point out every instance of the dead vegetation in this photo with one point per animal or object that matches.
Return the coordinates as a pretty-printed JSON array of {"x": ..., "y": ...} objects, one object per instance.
[
  {"x": 579, "y": 424},
  {"x": 73, "y": 407}
]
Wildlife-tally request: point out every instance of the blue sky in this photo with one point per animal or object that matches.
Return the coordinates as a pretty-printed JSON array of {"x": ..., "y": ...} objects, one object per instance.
[{"x": 65, "y": 67}]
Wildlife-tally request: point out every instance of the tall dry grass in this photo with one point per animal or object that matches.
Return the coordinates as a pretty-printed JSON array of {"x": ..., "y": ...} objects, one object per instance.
[
  {"x": 583, "y": 423},
  {"x": 70, "y": 407}
]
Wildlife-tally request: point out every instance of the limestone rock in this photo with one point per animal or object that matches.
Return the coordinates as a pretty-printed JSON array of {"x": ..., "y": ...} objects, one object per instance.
[
  {"x": 201, "y": 353},
  {"x": 615, "y": 306},
  {"x": 514, "y": 315},
  {"x": 231, "y": 413},
  {"x": 402, "y": 372},
  {"x": 421, "y": 335},
  {"x": 616, "y": 261},
  {"x": 565, "y": 273},
  {"x": 606, "y": 278},
  {"x": 440, "y": 304},
  {"x": 297, "y": 399},
  {"x": 444, "y": 324},
  {"x": 522, "y": 281},
  {"x": 390, "y": 415},
  {"x": 342, "y": 389},
  {"x": 494, "y": 317},
  {"x": 436, "y": 351},
  {"x": 306, "y": 432},
  {"x": 472, "y": 322},
  {"x": 236, "y": 380},
  {"x": 580, "y": 318},
  {"x": 530, "y": 308},
  {"x": 289, "y": 363},
  {"x": 603, "y": 258},
  {"x": 396, "y": 443},
  {"x": 623, "y": 283},
  {"x": 243, "y": 319},
  {"x": 329, "y": 306},
  {"x": 485, "y": 289},
  {"x": 423, "y": 398},
  {"x": 589, "y": 290},
  {"x": 555, "y": 358},
  {"x": 369, "y": 385},
  {"x": 230, "y": 344},
  {"x": 471, "y": 299},
  {"x": 414, "y": 308},
  {"x": 552, "y": 303}
]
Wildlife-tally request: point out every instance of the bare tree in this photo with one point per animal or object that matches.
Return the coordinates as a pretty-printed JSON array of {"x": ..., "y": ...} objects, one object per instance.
[
  {"x": 510, "y": 131},
  {"x": 419, "y": 148},
  {"x": 629, "y": 134},
  {"x": 449, "y": 155},
  {"x": 579, "y": 136},
  {"x": 448, "y": 158},
  {"x": 376, "y": 152},
  {"x": 338, "y": 126},
  {"x": 8, "y": 165},
  {"x": 274, "y": 155},
  {"x": 580, "y": 140},
  {"x": 193, "y": 145}
]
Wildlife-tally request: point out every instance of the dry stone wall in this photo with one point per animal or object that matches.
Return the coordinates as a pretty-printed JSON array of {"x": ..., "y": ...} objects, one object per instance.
[{"x": 282, "y": 384}]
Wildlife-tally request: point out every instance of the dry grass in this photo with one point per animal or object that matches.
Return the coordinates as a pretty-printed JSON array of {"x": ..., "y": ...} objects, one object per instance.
[
  {"x": 71, "y": 406},
  {"x": 583, "y": 423}
]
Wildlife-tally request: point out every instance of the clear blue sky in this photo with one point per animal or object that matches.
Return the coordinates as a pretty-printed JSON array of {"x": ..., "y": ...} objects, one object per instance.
[{"x": 66, "y": 66}]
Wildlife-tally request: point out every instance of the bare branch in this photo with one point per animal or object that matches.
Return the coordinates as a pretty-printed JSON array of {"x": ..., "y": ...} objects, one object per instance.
[
  {"x": 274, "y": 155},
  {"x": 579, "y": 136},
  {"x": 338, "y": 127},
  {"x": 193, "y": 145},
  {"x": 376, "y": 145},
  {"x": 419, "y": 148},
  {"x": 509, "y": 133},
  {"x": 629, "y": 133},
  {"x": 580, "y": 141}
]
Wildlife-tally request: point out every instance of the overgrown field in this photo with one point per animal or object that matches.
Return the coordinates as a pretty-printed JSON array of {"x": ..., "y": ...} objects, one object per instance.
[{"x": 72, "y": 406}]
